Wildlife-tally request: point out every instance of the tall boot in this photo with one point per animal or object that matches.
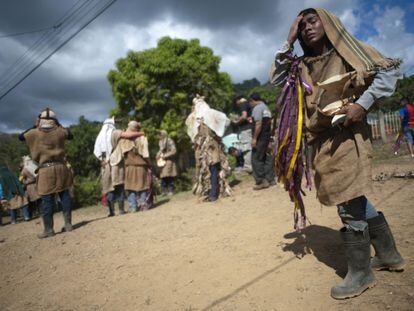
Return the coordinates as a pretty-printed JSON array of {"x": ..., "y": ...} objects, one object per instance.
[
  {"x": 67, "y": 217},
  {"x": 111, "y": 209},
  {"x": 386, "y": 253},
  {"x": 48, "y": 227},
  {"x": 359, "y": 276},
  {"x": 121, "y": 207}
]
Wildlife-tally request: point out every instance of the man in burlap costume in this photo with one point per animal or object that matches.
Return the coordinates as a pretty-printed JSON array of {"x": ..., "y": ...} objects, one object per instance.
[
  {"x": 135, "y": 154},
  {"x": 342, "y": 155},
  {"x": 166, "y": 155},
  {"x": 206, "y": 126},
  {"x": 28, "y": 174},
  {"x": 46, "y": 143},
  {"x": 14, "y": 195},
  {"x": 112, "y": 176}
]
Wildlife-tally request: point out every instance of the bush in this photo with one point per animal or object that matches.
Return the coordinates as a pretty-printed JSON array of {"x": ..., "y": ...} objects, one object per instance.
[{"x": 87, "y": 191}]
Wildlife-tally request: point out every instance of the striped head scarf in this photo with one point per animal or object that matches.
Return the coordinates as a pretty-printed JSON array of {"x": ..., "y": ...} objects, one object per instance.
[{"x": 363, "y": 58}]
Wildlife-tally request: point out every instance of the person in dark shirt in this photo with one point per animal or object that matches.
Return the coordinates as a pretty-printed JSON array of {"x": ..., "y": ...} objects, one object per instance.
[
  {"x": 244, "y": 125},
  {"x": 261, "y": 159}
]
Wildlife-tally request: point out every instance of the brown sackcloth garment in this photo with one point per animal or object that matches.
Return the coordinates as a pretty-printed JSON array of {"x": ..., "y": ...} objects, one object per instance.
[
  {"x": 342, "y": 158},
  {"x": 49, "y": 146},
  {"x": 136, "y": 168},
  {"x": 112, "y": 175},
  {"x": 30, "y": 184},
  {"x": 17, "y": 202},
  {"x": 169, "y": 151},
  {"x": 208, "y": 151}
]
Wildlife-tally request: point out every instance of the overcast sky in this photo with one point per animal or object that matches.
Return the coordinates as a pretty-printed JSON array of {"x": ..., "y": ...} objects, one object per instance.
[{"x": 244, "y": 33}]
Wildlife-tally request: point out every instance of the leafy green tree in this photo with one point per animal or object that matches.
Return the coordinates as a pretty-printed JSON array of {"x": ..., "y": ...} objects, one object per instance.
[
  {"x": 11, "y": 151},
  {"x": 245, "y": 86},
  {"x": 80, "y": 150},
  {"x": 156, "y": 86},
  {"x": 405, "y": 88},
  {"x": 267, "y": 92}
]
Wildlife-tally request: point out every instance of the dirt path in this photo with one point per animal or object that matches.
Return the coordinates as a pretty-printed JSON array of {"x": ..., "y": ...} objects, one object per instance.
[{"x": 237, "y": 254}]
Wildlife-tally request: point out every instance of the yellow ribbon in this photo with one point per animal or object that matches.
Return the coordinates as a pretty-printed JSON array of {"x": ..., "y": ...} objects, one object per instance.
[{"x": 298, "y": 133}]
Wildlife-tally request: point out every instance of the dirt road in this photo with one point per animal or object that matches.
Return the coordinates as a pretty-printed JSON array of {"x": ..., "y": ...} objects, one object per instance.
[{"x": 239, "y": 253}]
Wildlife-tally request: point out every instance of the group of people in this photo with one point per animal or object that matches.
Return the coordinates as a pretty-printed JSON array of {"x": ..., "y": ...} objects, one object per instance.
[
  {"x": 126, "y": 166},
  {"x": 340, "y": 151}
]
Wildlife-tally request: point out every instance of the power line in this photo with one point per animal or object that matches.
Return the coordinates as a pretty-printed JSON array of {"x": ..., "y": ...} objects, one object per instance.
[
  {"x": 14, "y": 68},
  {"x": 25, "y": 32},
  {"x": 110, "y": 3}
]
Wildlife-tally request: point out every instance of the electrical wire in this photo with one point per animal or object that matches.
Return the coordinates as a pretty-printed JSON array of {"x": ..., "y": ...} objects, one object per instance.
[
  {"x": 14, "y": 68},
  {"x": 96, "y": 15}
]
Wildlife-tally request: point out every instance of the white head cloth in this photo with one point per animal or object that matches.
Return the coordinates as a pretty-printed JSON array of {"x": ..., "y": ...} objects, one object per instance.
[
  {"x": 216, "y": 120},
  {"x": 103, "y": 143}
]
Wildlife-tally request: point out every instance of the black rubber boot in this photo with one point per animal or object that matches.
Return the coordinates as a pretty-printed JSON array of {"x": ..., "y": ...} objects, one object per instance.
[
  {"x": 111, "y": 209},
  {"x": 359, "y": 276},
  {"x": 386, "y": 256},
  {"x": 121, "y": 207},
  {"x": 67, "y": 217},
  {"x": 48, "y": 227}
]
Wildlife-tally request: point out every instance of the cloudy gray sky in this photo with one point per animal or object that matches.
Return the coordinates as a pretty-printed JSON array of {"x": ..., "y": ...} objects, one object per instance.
[{"x": 245, "y": 34}]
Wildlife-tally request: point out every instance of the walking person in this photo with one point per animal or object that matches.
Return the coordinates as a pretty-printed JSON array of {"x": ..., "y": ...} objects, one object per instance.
[
  {"x": 342, "y": 154},
  {"x": 13, "y": 195},
  {"x": 407, "y": 123},
  {"x": 262, "y": 162},
  {"x": 244, "y": 131},
  {"x": 46, "y": 143},
  {"x": 166, "y": 160},
  {"x": 138, "y": 183},
  {"x": 112, "y": 173},
  {"x": 28, "y": 176}
]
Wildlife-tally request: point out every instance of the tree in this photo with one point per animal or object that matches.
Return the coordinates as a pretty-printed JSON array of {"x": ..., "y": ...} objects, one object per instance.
[
  {"x": 80, "y": 150},
  {"x": 156, "y": 86},
  {"x": 405, "y": 88},
  {"x": 267, "y": 92},
  {"x": 245, "y": 86},
  {"x": 11, "y": 151}
]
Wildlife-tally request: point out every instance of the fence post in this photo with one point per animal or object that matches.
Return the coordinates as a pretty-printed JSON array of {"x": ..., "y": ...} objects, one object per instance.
[{"x": 382, "y": 126}]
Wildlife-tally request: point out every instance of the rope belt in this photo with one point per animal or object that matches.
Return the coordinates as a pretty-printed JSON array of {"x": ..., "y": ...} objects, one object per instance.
[{"x": 49, "y": 164}]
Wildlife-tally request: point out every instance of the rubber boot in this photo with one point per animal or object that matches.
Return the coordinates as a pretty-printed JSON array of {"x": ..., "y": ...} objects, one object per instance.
[
  {"x": 386, "y": 256},
  {"x": 359, "y": 276},
  {"x": 111, "y": 209},
  {"x": 67, "y": 217},
  {"x": 48, "y": 227},
  {"x": 121, "y": 207}
]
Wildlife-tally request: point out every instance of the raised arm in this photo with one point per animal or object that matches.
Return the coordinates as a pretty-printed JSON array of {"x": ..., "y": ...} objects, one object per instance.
[
  {"x": 281, "y": 64},
  {"x": 130, "y": 134}
]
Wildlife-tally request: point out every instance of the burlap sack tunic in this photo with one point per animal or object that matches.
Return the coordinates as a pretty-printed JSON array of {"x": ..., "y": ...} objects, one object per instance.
[
  {"x": 30, "y": 184},
  {"x": 169, "y": 152},
  {"x": 136, "y": 172},
  {"x": 136, "y": 168},
  {"x": 112, "y": 175},
  {"x": 342, "y": 158},
  {"x": 49, "y": 146}
]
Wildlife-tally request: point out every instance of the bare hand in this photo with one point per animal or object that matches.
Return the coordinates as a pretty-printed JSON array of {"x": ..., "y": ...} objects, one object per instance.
[
  {"x": 354, "y": 113},
  {"x": 254, "y": 142},
  {"x": 293, "y": 32}
]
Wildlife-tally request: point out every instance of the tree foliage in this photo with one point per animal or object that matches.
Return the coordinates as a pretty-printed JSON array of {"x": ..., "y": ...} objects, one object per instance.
[
  {"x": 156, "y": 86},
  {"x": 405, "y": 88},
  {"x": 80, "y": 150},
  {"x": 11, "y": 151}
]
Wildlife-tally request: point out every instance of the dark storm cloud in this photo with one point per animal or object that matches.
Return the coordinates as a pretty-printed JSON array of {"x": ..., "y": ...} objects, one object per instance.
[{"x": 244, "y": 33}]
